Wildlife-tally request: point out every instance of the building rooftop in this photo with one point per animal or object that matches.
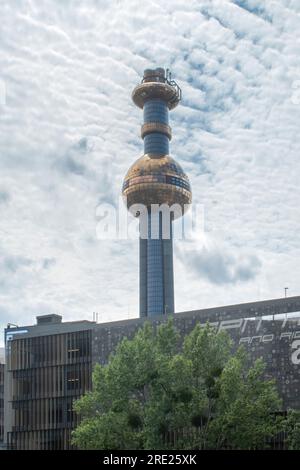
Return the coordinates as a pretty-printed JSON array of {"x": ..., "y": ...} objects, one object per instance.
[{"x": 53, "y": 324}]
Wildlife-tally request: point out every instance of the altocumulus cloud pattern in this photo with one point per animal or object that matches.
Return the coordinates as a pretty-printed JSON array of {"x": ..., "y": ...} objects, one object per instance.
[{"x": 68, "y": 132}]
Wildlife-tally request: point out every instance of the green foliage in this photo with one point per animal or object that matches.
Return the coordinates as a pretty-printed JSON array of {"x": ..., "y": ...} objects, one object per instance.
[
  {"x": 158, "y": 394},
  {"x": 245, "y": 409},
  {"x": 292, "y": 429}
]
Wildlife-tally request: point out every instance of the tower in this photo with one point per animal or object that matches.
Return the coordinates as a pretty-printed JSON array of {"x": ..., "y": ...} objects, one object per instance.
[{"x": 156, "y": 182}]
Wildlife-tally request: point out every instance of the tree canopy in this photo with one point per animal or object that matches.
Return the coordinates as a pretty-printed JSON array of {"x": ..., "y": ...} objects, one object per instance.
[{"x": 159, "y": 392}]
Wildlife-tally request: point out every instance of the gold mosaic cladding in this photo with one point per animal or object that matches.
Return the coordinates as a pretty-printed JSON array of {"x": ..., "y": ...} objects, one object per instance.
[
  {"x": 152, "y": 90},
  {"x": 148, "y": 193},
  {"x": 149, "y": 127}
]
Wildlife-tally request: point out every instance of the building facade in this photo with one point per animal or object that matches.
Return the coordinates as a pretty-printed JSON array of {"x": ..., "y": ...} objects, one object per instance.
[
  {"x": 48, "y": 367},
  {"x": 49, "y": 364},
  {"x": 268, "y": 329},
  {"x": 1, "y": 404}
]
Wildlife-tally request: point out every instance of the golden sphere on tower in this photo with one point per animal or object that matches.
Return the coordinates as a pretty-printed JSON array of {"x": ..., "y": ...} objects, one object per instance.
[{"x": 153, "y": 180}]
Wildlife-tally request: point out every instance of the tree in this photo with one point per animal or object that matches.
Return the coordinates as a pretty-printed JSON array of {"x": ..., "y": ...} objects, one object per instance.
[
  {"x": 292, "y": 429},
  {"x": 157, "y": 393}
]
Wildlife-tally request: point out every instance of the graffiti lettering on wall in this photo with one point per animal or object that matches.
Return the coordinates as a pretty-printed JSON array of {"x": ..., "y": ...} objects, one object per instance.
[
  {"x": 296, "y": 352},
  {"x": 265, "y": 327}
]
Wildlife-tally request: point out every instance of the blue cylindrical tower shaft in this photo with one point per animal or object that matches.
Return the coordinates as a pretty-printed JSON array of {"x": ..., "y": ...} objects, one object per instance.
[
  {"x": 156, "y": 111},
  {"x": 156, "y": 254},
  {"x": 156, "y": 270}
]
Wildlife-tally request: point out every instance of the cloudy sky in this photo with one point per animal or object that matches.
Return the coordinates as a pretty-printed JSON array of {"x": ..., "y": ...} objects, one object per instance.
[{"x": 69, "y": 132}]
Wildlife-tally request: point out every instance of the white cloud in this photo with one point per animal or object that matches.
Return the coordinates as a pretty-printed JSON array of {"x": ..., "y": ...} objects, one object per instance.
[{"x": 69, "y": 132}]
